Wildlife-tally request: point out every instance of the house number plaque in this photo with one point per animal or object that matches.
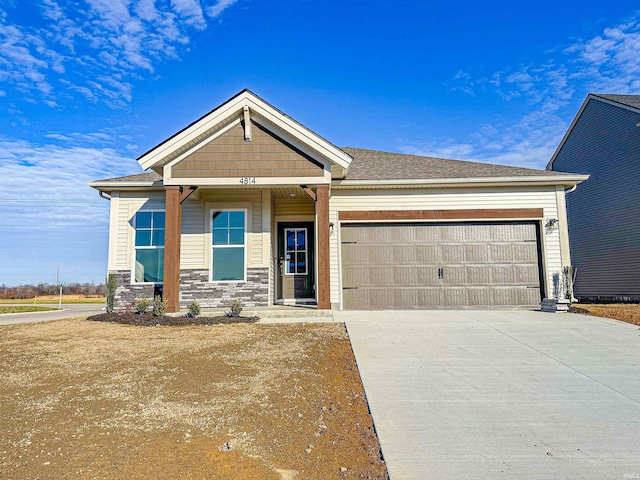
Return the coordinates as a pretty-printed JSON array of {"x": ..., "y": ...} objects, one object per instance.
[{"x": 247, "y": 181}]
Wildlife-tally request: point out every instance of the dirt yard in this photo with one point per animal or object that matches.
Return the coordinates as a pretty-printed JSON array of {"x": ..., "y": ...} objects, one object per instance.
[
  {"x": 629, "y": 313},
  {"x": 83, "y": 399}
]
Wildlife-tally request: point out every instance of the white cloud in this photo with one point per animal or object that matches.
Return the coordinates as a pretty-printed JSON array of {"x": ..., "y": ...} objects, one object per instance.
[
  {"x": 219, "y": 7},
  {"x": 49, "y": 217},
  {"x": 547, "y": 94},
  {"x": 96, "y": 46}
]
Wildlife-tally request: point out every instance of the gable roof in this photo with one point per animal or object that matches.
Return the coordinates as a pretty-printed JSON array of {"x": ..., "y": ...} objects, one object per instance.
[
  {"x": 200, "y": 130},
  {"x": 376, "y": 167},
  {"x": 632, "y": 101},
  {"x": 629, "y": 102}
]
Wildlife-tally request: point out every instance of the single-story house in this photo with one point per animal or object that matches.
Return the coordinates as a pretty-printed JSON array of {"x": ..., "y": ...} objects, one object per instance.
[
  {"x": 248, "y": 203},
  {"x": 604, "y": 214}
]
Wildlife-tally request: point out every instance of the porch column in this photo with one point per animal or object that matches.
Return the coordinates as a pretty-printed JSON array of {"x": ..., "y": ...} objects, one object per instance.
[
  {"x": 322, "y": 217},
  {"x": 173, "y": 223}
]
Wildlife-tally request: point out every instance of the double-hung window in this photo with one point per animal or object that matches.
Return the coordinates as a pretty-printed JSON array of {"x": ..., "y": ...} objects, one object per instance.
[
  {"x": 228, "y": 249},
  {"x": 149, "y": 247}
]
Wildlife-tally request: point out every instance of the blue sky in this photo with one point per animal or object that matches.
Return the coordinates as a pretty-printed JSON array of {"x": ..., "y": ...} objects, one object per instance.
[{"x": 86, "y": 86}]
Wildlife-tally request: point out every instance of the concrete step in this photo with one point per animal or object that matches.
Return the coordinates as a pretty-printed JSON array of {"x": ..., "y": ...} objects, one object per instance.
[{"x": 275, "y": 311}]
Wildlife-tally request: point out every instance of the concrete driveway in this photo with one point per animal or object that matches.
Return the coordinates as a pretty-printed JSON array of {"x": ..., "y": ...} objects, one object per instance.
[
  {"x": 70, "y": 310},
  {"x": 501, "y": 394}
]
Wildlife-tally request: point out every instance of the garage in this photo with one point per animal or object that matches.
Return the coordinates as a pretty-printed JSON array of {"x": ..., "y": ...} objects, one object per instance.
[{"x": 440, "y": 265}]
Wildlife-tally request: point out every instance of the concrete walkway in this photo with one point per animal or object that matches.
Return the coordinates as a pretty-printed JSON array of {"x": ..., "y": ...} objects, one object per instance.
[
  {"x": 68, "y": 311},
  {"x": 501, "y": 394}
]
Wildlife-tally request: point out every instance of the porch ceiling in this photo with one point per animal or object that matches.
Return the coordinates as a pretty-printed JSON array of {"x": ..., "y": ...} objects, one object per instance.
[{"x": 289, "y": 193}]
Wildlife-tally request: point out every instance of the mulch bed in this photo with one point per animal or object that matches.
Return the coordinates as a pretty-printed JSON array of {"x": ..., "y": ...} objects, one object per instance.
[{"x": 149, "y": 320}]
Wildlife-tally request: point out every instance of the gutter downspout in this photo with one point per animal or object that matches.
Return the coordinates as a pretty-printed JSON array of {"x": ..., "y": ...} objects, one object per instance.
[{"x": 102, "y": 195}]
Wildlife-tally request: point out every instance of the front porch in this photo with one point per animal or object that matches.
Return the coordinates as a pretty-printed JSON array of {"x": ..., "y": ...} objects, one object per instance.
[{"x": 286, "y": 247}]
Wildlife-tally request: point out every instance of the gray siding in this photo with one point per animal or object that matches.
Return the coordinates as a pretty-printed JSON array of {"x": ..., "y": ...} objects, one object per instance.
[{"x": 604, "y": 212}]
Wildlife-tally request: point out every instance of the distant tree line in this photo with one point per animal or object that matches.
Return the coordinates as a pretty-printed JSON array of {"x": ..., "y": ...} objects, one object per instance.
[{"x": 30, "y": 291}]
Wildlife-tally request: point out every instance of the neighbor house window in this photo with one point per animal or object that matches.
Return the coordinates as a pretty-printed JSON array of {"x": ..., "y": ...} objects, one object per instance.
[
  {"x": 149, "y": 247},
  {"x": 228, "y": 245}
]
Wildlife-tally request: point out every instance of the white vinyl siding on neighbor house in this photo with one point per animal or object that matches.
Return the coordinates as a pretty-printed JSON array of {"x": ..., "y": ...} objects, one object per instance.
[{"x": 446, "y": 199}]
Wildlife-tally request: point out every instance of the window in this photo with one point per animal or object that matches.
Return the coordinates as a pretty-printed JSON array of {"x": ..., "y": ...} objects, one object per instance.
[
  {"x": 149, "y": 247},
  {"x": 228, "y": 245},
  {"x": 296, "y": 251}
]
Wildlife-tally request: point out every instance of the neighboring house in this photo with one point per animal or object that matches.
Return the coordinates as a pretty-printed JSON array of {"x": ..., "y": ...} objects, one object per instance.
[
  {"x": 247, "y": 203},
  {"x": 604, "y": 213}
]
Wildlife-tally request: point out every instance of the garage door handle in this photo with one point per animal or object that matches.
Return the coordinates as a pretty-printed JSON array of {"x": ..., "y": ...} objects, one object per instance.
[
  {"x": 349, "y": 243},
  {"x": 349, "y": 288}
]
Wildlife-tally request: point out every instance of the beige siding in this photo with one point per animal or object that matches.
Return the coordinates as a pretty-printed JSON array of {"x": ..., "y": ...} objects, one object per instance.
[
  {"x": 229, "y": 155},
  {"x": 192, "y": 242},
  {"x": 294, "y": 207},
  {"x": 445, "y": 199}
]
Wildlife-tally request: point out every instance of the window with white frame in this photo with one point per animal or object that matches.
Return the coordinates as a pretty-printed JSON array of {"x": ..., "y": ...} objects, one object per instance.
[
  {"x": 149, "y": 247},
  {"x": 228, "y": 249}
]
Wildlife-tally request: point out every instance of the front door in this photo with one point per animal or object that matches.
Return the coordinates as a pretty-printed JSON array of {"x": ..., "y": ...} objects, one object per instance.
[{"x": 296, "y": 260}]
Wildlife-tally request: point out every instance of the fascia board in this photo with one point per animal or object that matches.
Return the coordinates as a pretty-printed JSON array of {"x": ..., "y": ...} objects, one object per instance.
[
  {"x": 246, "y": 98},
  {"x": 546, "y": 180}
]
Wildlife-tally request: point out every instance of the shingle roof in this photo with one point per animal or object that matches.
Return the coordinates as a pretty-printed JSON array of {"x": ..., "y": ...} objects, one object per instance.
[
  {"x": 139, "y": 177},
  {"x": 628, "y": 100},
  {"x": 375, "y": 165}
]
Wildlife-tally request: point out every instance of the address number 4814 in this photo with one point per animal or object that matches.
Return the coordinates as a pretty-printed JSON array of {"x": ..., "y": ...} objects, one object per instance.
[{"x": 247, "y": 181}]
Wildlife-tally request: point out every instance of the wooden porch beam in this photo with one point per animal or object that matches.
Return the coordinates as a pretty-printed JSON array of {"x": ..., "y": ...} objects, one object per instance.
[
  {"x": 310, "y": 192},
  {"x": 187, "y": 193},
  {"x": 322, "y": 217},
  {"x": 173, "y": 223}
]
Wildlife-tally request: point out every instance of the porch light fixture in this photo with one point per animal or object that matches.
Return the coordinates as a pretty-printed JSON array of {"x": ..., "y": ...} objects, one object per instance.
[
  {"x": 330, "y": 228},
  {"x": 551, "y": 225}
]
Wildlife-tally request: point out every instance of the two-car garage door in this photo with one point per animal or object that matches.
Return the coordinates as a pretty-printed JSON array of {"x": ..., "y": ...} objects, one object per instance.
[{"x": 447, "y": 265}]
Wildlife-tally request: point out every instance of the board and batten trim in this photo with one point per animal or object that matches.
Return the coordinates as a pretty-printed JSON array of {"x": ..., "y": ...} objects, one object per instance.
[{"x": 470, "y": 214}]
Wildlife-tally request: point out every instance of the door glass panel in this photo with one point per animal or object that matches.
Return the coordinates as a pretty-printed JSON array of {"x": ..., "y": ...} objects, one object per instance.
[
  {"x": 296, "y": 251},
  {"x": 291, "y": 240}
]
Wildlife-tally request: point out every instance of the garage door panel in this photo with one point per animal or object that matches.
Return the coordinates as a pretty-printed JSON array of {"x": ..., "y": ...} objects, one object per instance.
[
  {"x": 477, "y": 253},
  {"x": 440, "y": 265},
  {"x": 372, "y": 276}
]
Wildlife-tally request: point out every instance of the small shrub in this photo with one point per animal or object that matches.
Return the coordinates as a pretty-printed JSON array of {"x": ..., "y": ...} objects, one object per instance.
[
  {"x": 194, "y": 309},
  {"x": 127, "y": 308},
  {"x": 142, "y": 304},
  {"x": 235, "y": 309},
  {"x": 111, "y": 292},
  {"x": 159, "y": 306}
]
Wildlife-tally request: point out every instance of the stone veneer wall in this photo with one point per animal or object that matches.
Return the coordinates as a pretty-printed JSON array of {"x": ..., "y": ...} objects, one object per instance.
[
  {"x": 126, "y": 293},
  {"x": 194, "y": 285}
]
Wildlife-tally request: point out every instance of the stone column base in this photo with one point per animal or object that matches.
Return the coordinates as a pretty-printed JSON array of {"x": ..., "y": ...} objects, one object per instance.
[{"x": 552, "y": 305}]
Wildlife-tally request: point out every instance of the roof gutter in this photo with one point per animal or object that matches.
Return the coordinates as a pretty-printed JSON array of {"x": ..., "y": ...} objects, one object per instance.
[
  {"x": 103, "y": 195},
  {"x": 565, "y": 179}
]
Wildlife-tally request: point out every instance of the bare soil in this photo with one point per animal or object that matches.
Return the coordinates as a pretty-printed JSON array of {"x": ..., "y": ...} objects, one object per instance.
[
  {"x": 626, "y": 312},
  {"x": 83, "y": 399}
]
